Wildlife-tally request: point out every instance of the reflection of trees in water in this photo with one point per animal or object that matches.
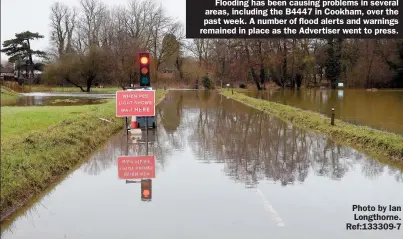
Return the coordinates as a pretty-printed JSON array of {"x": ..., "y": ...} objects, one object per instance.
[
  {"x": 107, "y": 155},
  {"x": 371, "y": 168},
  {"x": 396, "y": 173},
  {"x": 170, "y": 114},
  {"x": 251, "y": 145},
  {"x": 161, "y": 146},
  {"x": 255, "y": 146}
]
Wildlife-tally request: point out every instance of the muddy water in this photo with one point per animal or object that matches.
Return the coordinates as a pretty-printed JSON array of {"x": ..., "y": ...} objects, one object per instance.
[
  {"x": 381, "y": 109},
  {"x": 58, "y": 99},
  {"x": 222, "y": 171}
]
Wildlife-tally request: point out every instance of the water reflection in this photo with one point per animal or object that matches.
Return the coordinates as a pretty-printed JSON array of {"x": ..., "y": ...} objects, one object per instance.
[
  {"x": 214, "y": 137},
  {"x": 159, "y": 145},
  {"x": 103, "y": 160},
  {"x": 379, "y": 109},
  {"x": 254, "y": 146}
]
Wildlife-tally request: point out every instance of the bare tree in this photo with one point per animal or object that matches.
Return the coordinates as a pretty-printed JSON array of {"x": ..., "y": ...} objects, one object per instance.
[
  {"x": 93, "y": 14},
  {"x": 62, "y": 26}
]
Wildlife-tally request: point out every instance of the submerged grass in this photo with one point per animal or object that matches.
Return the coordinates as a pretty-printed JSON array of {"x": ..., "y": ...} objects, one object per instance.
[
  {"x": 41, "y": 143},
  {"x": 388, "y": 146}
]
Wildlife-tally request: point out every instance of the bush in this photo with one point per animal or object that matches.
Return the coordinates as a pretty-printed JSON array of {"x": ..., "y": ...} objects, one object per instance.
[
  {"x": 207, "y": 83},
  {"x": 242, "y": 86}
]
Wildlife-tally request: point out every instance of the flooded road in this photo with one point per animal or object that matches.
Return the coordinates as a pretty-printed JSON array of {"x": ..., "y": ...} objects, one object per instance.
[
  {"x": 223, "y": 170},
  {"x": 58, "y": 99},
  {"x": 380, "y": 109}
]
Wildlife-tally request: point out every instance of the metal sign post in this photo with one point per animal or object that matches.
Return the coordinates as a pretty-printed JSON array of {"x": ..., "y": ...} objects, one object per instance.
[
  {"x": 146, "y": 135},
  {"x": 126, "y": 127},
  {"x": 127, "y": 144}
]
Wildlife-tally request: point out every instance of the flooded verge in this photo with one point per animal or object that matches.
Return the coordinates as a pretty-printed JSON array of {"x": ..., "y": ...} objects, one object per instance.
[
  {"x": 380, "y": 109},
  {"x": 58, "y": 99},
  {"x": 223, "y": 170}
]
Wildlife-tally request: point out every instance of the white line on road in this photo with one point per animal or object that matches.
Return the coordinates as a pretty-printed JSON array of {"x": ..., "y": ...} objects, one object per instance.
[{"x": 270, "y": 209}]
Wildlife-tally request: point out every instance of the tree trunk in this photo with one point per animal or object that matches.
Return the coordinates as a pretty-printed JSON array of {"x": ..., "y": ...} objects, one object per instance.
[
  {"x": 255, "y": 79},
  {"x": 89, "y": 83},
  {"x": 68, "y": 80},
  {"x": 262, "y": 72},
  {"x": 368, "y": 81},
  {"x": 26, "y": 71},
  {"x": 284, "y": 80},
  {"x": 254, "y": 76},
  {"x": 262, "y": 76},
  {"x": 31, "y": 63}
]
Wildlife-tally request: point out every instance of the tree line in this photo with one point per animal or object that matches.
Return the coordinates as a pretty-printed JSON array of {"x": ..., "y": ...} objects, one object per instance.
[
  {"x": 294, "y": 63},
  {"x": 97, "y": 44}
]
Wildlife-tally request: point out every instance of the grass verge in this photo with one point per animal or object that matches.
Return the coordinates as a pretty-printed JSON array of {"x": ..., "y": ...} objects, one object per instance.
[
  {"x": 48, "y": 142},
  {"x": 8, "y": 95},
  {"x": 388, "y": 146}
]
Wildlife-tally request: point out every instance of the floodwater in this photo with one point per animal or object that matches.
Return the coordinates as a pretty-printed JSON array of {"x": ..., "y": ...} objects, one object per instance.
[
  {"x": 58, "y": 99},
  {"x": 223, "y": 170},
  {"x": 380, "y": 109}
]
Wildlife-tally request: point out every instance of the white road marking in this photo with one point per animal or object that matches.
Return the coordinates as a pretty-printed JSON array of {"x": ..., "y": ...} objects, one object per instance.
[{"x": 270, "y": 209}]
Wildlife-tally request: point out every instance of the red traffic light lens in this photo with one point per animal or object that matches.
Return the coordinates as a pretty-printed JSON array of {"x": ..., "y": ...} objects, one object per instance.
[
  {"x": 144, "y": 70},
  {"x": 146, "y": 193},
  {"x": 144, "y": 60}
]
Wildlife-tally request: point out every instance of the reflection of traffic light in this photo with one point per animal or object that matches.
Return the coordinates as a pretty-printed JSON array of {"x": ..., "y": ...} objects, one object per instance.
[
  {"x": 146, "y": 190},
  {"x": 145, "y": 69}
]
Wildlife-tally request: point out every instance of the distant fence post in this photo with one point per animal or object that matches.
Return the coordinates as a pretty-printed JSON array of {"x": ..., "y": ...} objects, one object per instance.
[{"x": 332, "y": 120}]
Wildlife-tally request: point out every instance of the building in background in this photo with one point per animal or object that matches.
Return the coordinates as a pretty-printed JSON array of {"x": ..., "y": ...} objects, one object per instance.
[{"x": 7, "y": 74}]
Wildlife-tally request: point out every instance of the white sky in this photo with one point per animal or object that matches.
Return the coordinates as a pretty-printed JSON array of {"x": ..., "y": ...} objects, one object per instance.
[{"x": 29, "y": 15}]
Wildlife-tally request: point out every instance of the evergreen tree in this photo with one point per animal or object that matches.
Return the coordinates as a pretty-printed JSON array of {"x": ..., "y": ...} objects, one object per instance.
[{"x": 19, "y": 48}]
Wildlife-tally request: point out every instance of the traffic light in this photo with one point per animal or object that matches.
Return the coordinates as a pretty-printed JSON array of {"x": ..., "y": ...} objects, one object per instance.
[
  {"x": 146, "y": 190},
  {"x": 145, "y": 69}
]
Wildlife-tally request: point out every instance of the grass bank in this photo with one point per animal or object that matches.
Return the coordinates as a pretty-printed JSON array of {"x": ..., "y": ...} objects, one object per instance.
[
  {"x": 387, "y": 146},
  {"x": 76, "y": 89},
  {"x": 8, "y": 95},
  {"x": 39, "y": 144}
]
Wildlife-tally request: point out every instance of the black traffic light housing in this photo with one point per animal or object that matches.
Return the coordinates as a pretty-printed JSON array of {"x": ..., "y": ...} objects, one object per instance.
[
  {"x": 144, "y": 59},
  {"x": 146, "y": 190}
]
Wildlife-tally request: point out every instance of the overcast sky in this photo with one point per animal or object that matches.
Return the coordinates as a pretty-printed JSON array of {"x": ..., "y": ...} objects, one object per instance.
[{"x": 29, "y": 15}]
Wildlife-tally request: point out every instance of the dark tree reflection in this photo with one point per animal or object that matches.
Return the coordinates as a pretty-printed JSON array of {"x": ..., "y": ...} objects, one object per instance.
[
  {"x": 254, "y": 146},
  {"x": 161, "y": 145}
]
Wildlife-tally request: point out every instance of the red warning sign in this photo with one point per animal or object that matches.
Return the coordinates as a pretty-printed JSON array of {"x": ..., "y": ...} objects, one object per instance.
[
  {"x": 135, "y": 103},
  {"x": 136, "y": 167}
]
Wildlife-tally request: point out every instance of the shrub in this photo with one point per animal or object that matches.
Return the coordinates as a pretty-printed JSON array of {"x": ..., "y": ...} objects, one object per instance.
[
  {"x": 207, "y": 83},
  {"x": 242, "y": 86}
]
